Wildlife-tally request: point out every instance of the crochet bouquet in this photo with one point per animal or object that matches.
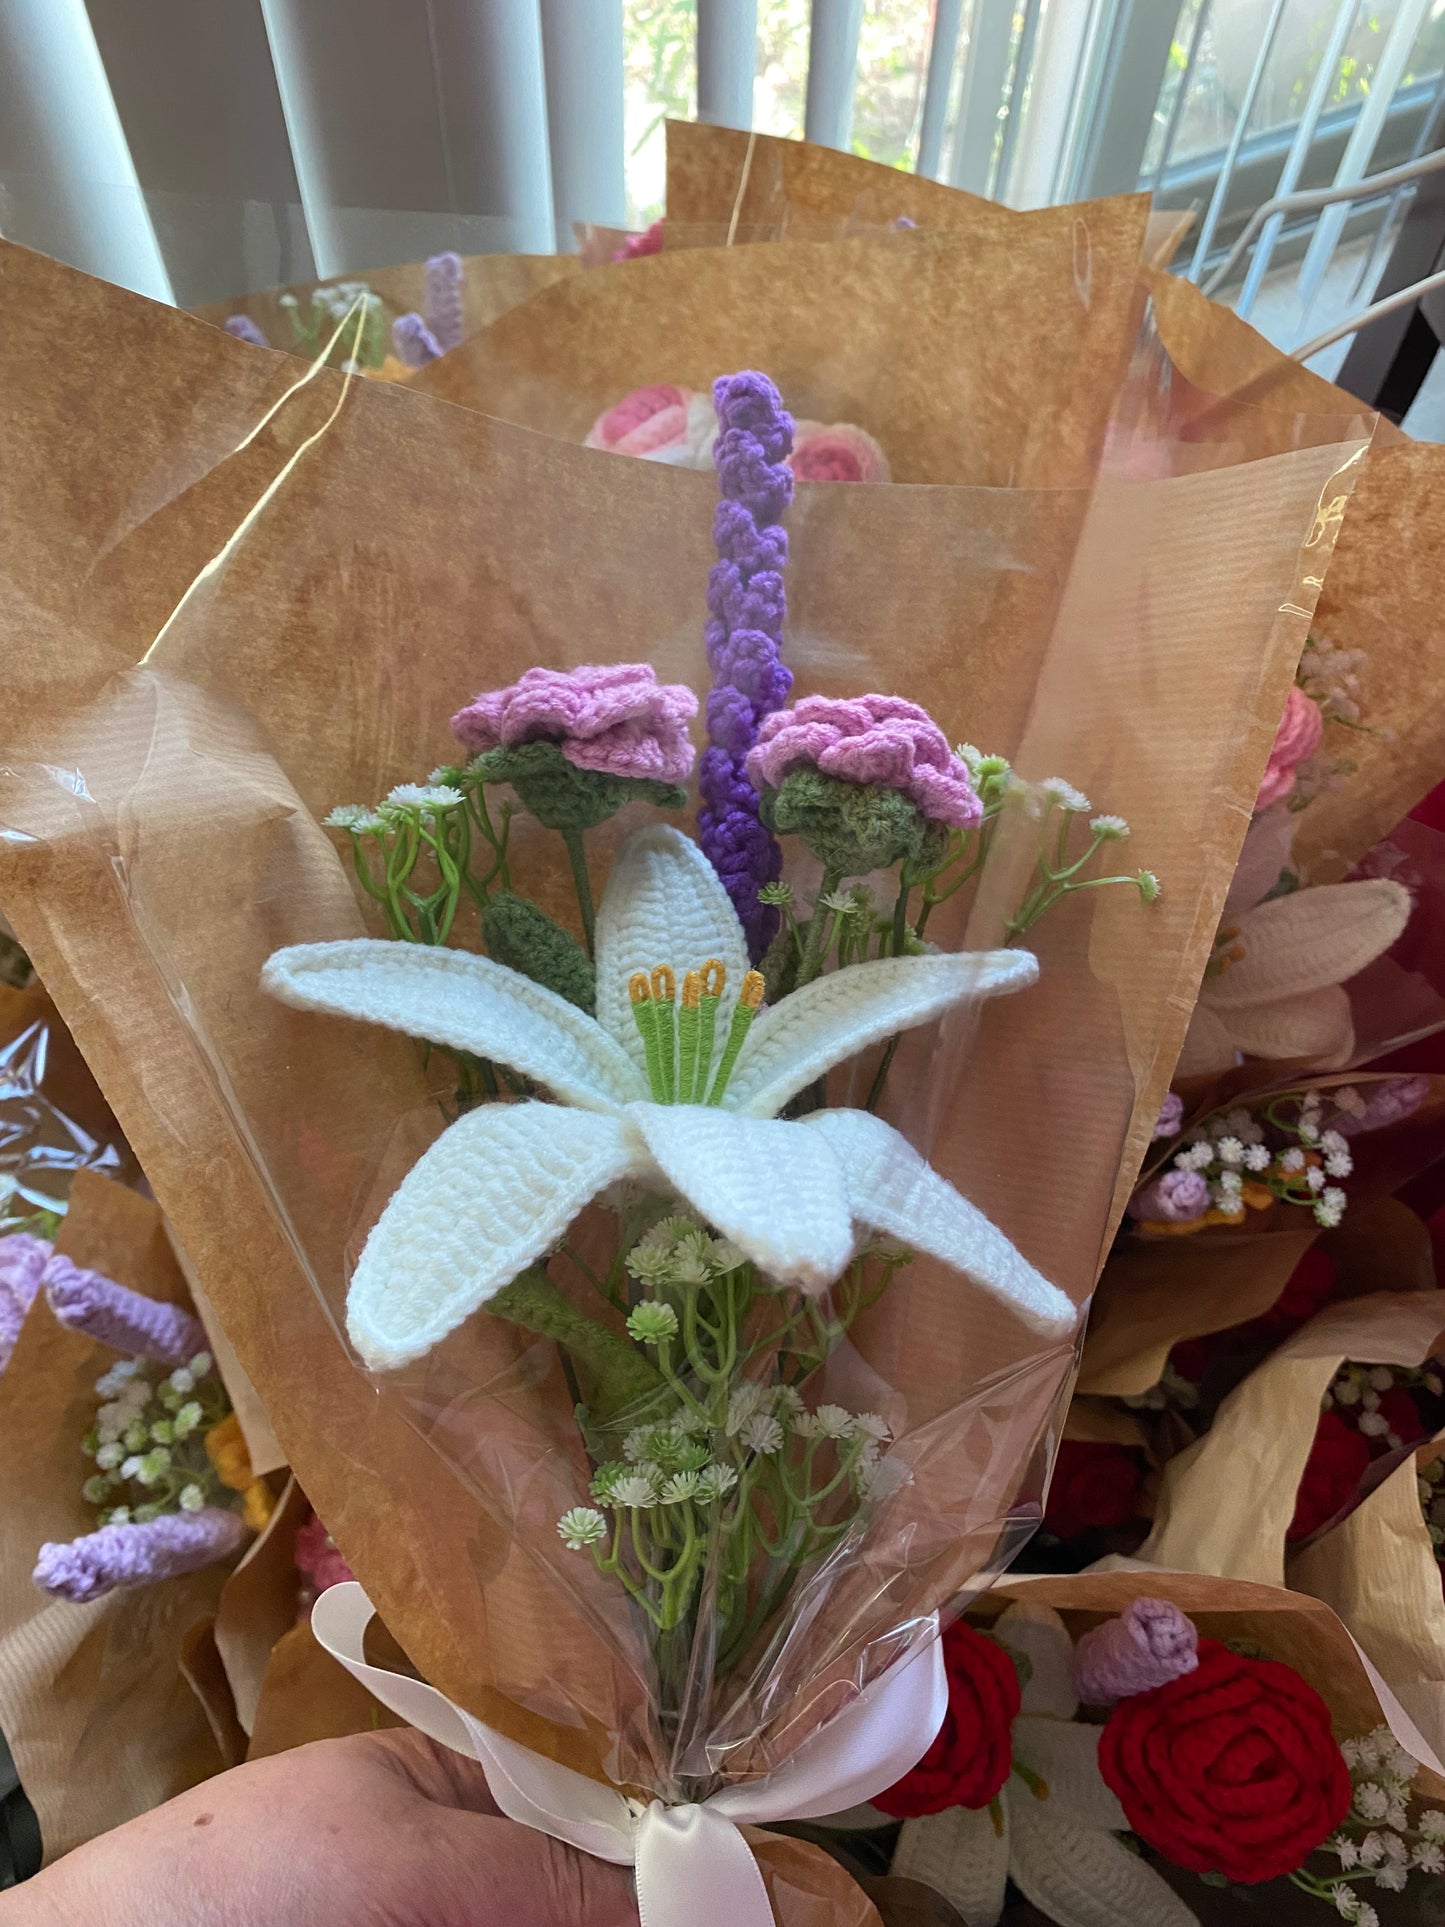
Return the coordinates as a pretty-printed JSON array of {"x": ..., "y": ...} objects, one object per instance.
[
  {"x": 624, "y": 1079},
  {"x": 672, "y": 1061}
]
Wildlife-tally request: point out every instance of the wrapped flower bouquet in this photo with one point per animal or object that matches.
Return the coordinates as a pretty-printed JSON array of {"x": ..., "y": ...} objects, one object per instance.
[{"x": 655, "y": 1192}]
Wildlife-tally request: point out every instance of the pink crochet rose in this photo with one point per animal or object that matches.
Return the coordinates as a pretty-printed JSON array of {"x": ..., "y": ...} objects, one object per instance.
[
  {"x": 836, "y": 452},
  {"x": 1298, "y": 737},
  {"x": 663, "y": 423},
  {"x": 613, "y": 717},
  {"x": 879, "y": 740}
]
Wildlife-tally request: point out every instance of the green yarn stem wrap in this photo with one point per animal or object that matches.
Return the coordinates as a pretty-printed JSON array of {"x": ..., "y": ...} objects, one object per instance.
[{"x": 617, "y": 1375}]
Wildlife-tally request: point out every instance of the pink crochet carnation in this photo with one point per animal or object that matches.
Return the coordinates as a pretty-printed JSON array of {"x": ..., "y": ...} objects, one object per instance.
[
  {"x": 318, "y": 1558},
  {"x": 1298, "y": 737},
  {"x": 613, "y": 717},
  {"x": 836, "y": 452},
  {"x": 879, "y": 740},
  {"x": 650, "y": 421}
]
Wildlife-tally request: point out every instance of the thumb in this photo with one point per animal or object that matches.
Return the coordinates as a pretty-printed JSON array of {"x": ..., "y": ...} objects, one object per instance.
[{"x": 513, "y": 1876}]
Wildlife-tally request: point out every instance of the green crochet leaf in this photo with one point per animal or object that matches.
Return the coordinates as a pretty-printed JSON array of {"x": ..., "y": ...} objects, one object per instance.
[
  {"x": 521, "y": 935},
  {"x": 564, "y": 797},
  {"x": 617, "y": 1375}
]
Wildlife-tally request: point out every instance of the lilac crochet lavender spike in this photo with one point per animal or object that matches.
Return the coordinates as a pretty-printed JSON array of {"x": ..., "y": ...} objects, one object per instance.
[
  {"x": 413, "y": 342},
  {"x": 1150, "y": 1643},
  {"x": 125, "y": 1320},
  {"x": 444, "y": 299},
  {"x": 245, "y": 329},
  {"x": 138, "y": 1553},
  {"x": 22, "y": 1265},
  {"x": 747, "y": 606}
]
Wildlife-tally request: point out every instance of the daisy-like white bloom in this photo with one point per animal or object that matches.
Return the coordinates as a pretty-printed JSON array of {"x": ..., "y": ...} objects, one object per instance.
[
  {"x": 501, "y": 1185},
  {"x": 1054, "y": 1830},
  {"x": 582, "y": 1526},
  {"x": 1276, "y": 988}
]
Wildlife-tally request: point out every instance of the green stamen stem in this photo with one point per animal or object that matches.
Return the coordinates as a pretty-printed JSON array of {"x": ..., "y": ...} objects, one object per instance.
[
  {"x": 742, "y": 1021},
  {"x": 664, "y": 992},
  {"x": 644, "y": 1015},
  {"x": 577, "y": 856},
  {"x": 688, "y": 1018},
  {"x": 713, "y": 979}
]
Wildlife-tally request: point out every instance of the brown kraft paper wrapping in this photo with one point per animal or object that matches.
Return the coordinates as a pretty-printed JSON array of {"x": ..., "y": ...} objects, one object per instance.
[
  {"x": 725, "y": 186},
  {"x": 1289, "y": 1626},
  {"x": 864, "y": 331},
  {"x": 471, "y": 550},
  {"x": 1225, "y": 1503},
  {"x": 99, "y": 1717},
  {"x": 491, "y": 283},
  {"x": 1379, "y": 1571}
]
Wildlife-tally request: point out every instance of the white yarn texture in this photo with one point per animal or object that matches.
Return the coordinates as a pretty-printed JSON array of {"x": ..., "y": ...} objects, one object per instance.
[{"x": 499, "y": 1187}]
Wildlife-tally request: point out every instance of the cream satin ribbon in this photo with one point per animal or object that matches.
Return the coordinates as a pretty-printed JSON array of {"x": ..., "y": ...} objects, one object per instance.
[{"x": 693, "y": 1866}]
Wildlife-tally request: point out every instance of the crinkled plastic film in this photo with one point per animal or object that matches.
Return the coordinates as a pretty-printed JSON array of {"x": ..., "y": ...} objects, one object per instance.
[
  {"x": 264, "y": 592},
  {"x": 52, "y": 1122}
]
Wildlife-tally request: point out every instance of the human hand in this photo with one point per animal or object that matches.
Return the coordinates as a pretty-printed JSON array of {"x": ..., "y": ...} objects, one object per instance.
[{"x": 379, "y": 1830}]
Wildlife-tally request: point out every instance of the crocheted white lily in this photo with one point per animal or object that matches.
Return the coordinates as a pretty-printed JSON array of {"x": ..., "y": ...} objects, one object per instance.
[
  {"x": 1054, "y": 1835},
  {"x": 1275, "y": 985},
  {"x": 500, "y": 1187}
]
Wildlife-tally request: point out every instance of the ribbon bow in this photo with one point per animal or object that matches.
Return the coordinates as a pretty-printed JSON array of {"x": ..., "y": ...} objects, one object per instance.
[{"x": 692, "y": 1864}]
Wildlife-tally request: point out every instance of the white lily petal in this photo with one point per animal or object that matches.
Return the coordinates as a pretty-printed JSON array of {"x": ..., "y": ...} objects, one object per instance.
[
  {"x": 961, "y": 1855},
  {"x": 1208, "y": 1043},
  {"x": 494, "y": 1192},
  {"x": 1267, "y": 845},
  {"x": 1310, "y": 939},
  {"x": 1081, "y": 1876},
  {"x": 470, "y": 1003},
  {"x": 1317, "y": 1024},
  {"x": 775, "y": 1190},
  {"x": 1065, "y": 1755},
  {"x": 1041, "y": 1636},
  {"x": 664, "y": 904},
  {"x": 832, "y": 1018},
  {"x": 892, "y": 1189}
]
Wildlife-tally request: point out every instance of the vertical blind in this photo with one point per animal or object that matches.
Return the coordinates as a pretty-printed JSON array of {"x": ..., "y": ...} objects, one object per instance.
[{"x": 194, "y": 148}]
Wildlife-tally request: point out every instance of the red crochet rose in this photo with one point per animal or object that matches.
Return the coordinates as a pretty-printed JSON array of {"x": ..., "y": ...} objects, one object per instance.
[
  {"x": 1231, "y": 1769},
  {"x": 973, "y": 1754},
  {"x": 1093, "y": 1486},
  {"x": 1338, "y": 1460}
]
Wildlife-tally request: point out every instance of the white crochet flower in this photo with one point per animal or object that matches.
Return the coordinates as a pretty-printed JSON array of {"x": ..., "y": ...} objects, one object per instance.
[
  {"x": 1281, "y": 994},
  {"x": 500, "y": 1187},
  {"x": 1058, "y": 1849}
]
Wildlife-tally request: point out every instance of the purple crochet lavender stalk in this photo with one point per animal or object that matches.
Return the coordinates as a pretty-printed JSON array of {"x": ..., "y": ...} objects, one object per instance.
[
  {"x": 444, "y": 299},
  {"x": 22, "y": 1265},
  {"x": 137, "y": 1553},
  {"x": 123, "y": 1319},
  {"x": 413, "y": 342},
  {"x": 245, "y": 329},
  {"x": 746, "y": 608}
]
